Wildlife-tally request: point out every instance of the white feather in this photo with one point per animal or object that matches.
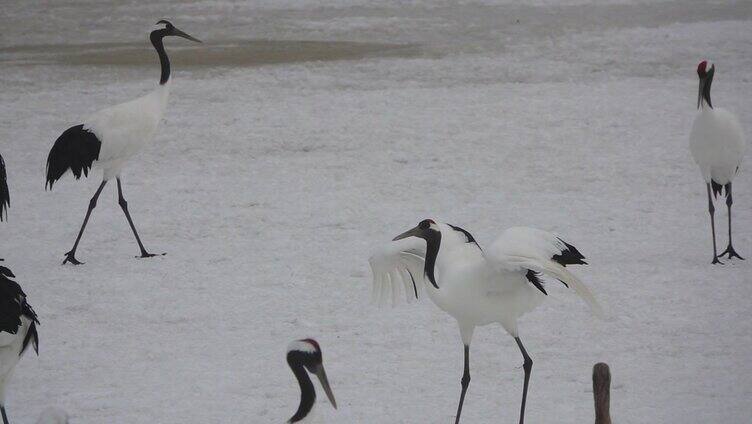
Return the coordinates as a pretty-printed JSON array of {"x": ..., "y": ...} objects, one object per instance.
[
  {"x": 717, "y": 144},
  {"x": 301, "y": 346},
  {"x": 477, "y": 287},
  {"x": 126, "y": 128},
  {"x": 10, "y": 349},
  {"x": 523, "y": 248},
  {"x": 393, "y": 264}
]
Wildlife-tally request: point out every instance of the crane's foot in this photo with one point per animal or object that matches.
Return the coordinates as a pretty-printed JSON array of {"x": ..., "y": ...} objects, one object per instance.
[
  {"x": 146, "y": 254},
  {"x": 716, "y": 261},
  {"x": 71, "y": 257},
  {"x": 731, "y": 253}
]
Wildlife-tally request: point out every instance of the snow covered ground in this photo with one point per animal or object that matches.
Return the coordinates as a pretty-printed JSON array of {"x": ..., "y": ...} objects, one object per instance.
[{"x": 278, "y": 168}]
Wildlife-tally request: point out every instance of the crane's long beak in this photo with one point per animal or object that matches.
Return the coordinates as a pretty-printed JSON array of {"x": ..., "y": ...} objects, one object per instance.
[
  {"x": 414, "y": 232},
  {"x": 180, "y": 33},
  {"x": 321, "y": 374}
]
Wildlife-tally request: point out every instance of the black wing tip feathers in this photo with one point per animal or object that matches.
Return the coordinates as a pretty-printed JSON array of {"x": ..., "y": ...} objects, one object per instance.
[
  {"x": 6, "y": 272},
  {"x": 534, "y": 278},
  {"x": 569, "y": 256},
  {"x": 718, "y": 188},
  {"x": 415, "y": 286},
  {"x": 31, "y": 336},
  {"x": 13, "y": 306},
  {"x": 76, "y": 150}
]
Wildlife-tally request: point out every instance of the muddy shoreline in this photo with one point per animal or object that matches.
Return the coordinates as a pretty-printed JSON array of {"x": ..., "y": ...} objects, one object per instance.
[{"x": 215, "y": 53}]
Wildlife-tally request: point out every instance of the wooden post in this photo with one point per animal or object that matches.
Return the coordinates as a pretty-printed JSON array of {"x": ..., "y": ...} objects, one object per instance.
[{"x": 601, "y": 392}]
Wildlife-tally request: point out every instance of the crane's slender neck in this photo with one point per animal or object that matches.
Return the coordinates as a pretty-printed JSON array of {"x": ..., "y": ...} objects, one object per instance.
[
  {"x": 433, "y": 243},
  {"x": 307, "y": 392},
  {"x": 156, "y": 40},
  {"x": 705, "y": 93}
]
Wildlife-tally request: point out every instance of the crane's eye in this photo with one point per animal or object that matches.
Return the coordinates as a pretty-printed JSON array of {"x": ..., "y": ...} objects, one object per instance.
[{"x": 425, "y": 224}]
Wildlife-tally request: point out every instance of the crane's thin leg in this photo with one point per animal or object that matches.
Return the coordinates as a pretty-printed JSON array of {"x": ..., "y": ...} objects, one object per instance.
[
  {"x": 70, "y": 256},
  {"x": 465, "y": 383},
  {"x": 711, "y": 209},
  {"x": 527, "y": 366},
  {"x": 124, "y": 205},
  {"x": 730, "y": 249},
  {"x": 5, "y": 416}
]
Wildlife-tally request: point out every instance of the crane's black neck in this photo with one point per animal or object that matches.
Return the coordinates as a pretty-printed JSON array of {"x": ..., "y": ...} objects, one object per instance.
[
  {"x": 156, "y": 40},
  {"x": 705, "y": 83},
  {"x": 433, "y": 242},
  {"x": 307, "y": 392},
  {"x": 706, "y": 91}
]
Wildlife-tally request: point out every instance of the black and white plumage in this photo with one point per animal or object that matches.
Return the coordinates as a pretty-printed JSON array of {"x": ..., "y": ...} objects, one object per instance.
[
  {"x": 717, "y": 145},
  {"x": 475, "y": 286},
  {"x": 18, "y": 330},
  {"x": 304, "y": 357},
  {"x": 4, "y": 193},
  {"x": 111, "y": 137}
]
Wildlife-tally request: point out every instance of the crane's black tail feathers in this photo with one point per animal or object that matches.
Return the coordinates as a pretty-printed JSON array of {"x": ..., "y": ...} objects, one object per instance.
[
  {"x": 717, "y": 189},
  {"x": 76, "y": 150},
  {"x": 31, "y": 335},
  {"x": 569, "y": 256},
  {"x": 4, "y": 194},
  {"x": 13, "y": 306}
]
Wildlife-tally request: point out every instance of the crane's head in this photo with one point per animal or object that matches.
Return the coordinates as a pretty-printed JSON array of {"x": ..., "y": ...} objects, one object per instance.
[
  {"x": 425, "y": 230},
  {"x": 429, "y": 231},
  {"x": 165, "y": 28},
  {"x": 307, "y": 352},
  {"x": 705, "y": 73}
]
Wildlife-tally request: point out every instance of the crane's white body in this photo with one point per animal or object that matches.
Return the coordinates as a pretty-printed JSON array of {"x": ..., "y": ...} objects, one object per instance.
[
  {"x": 476, "y": 287},
  {"x": 717, "y": 144},
  {"x": 126, "y": 128},
  {"x": 110, "y": 137},
  {"x": 10, "y": 354}
]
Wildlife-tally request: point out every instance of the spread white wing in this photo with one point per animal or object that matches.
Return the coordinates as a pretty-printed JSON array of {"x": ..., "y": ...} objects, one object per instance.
[
  {"x": 398, "y": 267},
  {"x": 523, "y": 248}
]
